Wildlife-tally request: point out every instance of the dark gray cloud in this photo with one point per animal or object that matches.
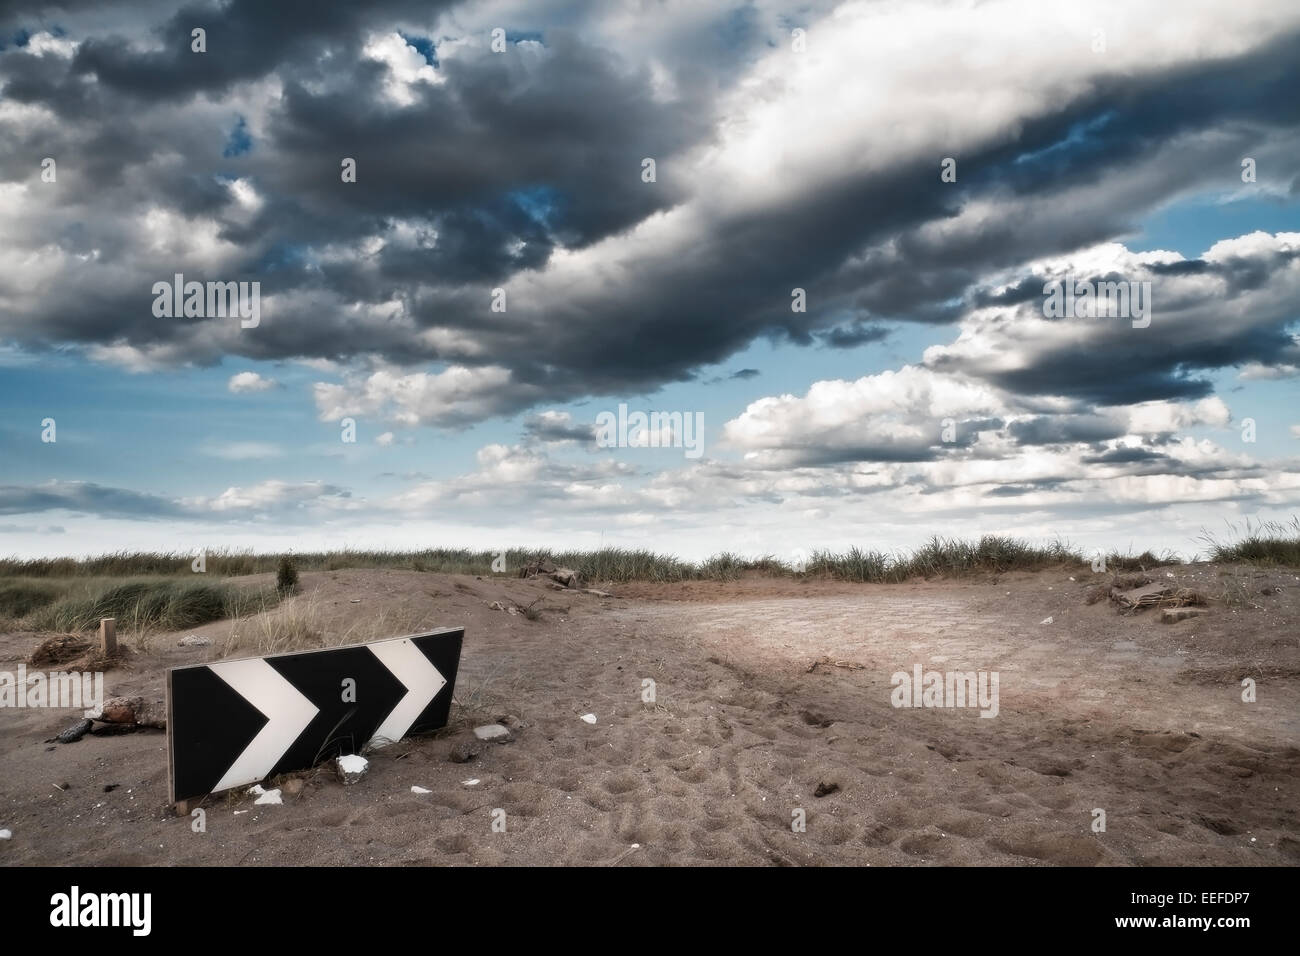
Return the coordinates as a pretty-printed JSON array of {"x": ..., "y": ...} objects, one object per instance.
[
  {"x": 85, "y": 497},
  {"x": 511, "y": 163}
]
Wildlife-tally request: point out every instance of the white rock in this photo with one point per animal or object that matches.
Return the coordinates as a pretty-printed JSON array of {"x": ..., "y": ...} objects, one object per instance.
[
  {"x": 351, "y": 768},
  {"x": 471, "y": 783},
  {"x": 270, "y": 796},
  {"x": 420, "y": 790},
  {"x": 1046, "y": 620},
  {"x": 256, "y": 790},
  {"x": 589, "y": 718},
  {"x": 6, "y": 834},
  {"x": 492, "y": 732}
]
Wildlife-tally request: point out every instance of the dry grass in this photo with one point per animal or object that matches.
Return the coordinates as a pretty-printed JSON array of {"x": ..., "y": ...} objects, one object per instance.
[{"x": 1266, "y": 543}]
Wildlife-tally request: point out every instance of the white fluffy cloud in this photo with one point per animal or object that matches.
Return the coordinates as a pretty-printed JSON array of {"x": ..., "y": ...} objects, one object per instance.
[{"x": 245, "y": 382}]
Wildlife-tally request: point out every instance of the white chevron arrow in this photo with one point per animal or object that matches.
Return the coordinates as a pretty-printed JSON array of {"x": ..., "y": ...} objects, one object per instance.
[
  {"x": 288, "y": 713},
  {"x": 420, "y": 678}
]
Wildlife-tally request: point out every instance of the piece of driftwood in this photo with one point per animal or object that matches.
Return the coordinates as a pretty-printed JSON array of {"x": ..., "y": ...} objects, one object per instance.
[{"x": 848, "y": 665}]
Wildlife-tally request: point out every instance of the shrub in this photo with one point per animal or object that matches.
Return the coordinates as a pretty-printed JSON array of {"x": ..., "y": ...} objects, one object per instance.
[{"x": 286, "y": 577}]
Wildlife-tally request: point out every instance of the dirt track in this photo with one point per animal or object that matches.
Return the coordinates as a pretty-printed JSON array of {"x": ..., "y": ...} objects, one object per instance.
[{"x": 1096, "y": 710}]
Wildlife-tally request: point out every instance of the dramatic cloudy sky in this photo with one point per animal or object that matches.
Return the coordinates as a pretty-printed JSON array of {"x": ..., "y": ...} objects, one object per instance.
[{"x": 796, "y": 146}]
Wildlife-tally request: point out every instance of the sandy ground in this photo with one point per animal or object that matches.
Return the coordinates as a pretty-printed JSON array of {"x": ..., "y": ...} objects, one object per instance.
[{"x": 1097, "y": 710}]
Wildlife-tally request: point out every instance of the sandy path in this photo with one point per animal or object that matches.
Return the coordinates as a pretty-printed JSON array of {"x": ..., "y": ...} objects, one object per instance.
[{"x": 1140, "y": 719}]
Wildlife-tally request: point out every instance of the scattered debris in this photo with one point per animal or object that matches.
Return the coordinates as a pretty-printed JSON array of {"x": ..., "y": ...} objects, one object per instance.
[
  {"x": 351, "y": 768},
  {"x": 1156, "y": 595},
  {"x": 74, "y": 733},
  {"x": 625, "y": 854},
  {"x": 354, "y": 601},
  {"x": 420, "y": 790},
  {"x": 62, "y": 787},
  {"x": 1046, "y": 620},
  {"x": 826, "y": 789},
  {"x": 566, "y": 576},
  {"x": 71, "y": 652},
  {"x": 493, "y": 732},
  {"x": 119, "y": 710},
  {"x": 848, "y": 665},
  {"x": 1126, "y": 582},
  {"x": 462, "y": 753},
  {"x": 270, "y": 798},
  {"x": 194, "y": 641},
  {"x": 597, "y": 592},
  {"x": 588, "y": 718},
  {"x": 131, "y": 713},
  {"x": 59, "y": 649},
  {"x": 474, "y": 782}
]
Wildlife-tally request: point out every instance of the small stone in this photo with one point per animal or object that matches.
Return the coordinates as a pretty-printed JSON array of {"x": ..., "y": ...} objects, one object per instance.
[
  {"x": 511, "y": 721},
  {"x": 462, "y": 753},
  {"x": 1173, "y": 615},
  {"x": 566, "y": 576},
  {"x": 270, "y": 798},
  {"x": 420, "y": 790},
  {"x": 6, "y": 834},
  {"x": 598, "y": 593},
  {"x": 471, "y": 783},
  {"x": 825, "y": 789},
  {"x": 588, "y": 718},
  {"x": 194, "y": 641},
  {"x": 1046, "y": 620},
  {"x": 292, "y": 787},
  {"x": 493, "y": 732},
  {"x": 152, "y": 714},
  {"x": 351, "y": 768},
  {"x": 120, "y": 710}
]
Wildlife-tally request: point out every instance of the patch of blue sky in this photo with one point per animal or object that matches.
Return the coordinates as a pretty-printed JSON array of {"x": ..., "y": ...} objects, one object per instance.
[
  {"x": 239, "y": 142},
  {"x": 423, "y": 46}
]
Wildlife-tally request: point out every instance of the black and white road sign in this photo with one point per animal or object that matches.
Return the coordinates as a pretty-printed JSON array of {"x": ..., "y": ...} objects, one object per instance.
[{"x": 233, "y": 723}]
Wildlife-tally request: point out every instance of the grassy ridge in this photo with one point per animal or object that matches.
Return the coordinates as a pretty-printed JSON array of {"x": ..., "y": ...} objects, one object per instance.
[
  {"x": 138, "y": 604},
  {"x": 1267, "y": 543},
  {"x": 34, "y": 584},
  {"x": 939, "y": 556}
]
